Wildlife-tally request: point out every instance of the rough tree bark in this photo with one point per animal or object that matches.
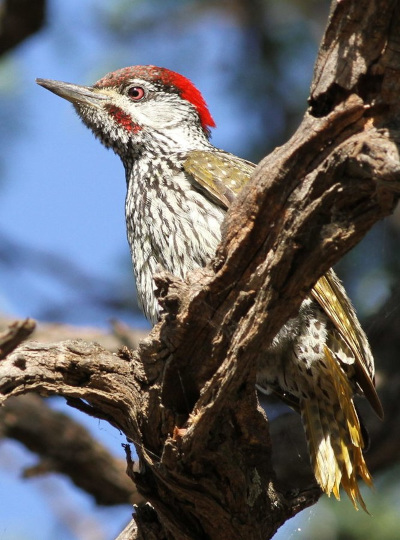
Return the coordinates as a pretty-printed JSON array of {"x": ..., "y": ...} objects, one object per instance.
[{"x": 186, "y": 397}]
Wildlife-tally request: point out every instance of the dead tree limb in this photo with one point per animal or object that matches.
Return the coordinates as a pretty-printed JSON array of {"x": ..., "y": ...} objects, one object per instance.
[
  {"x": 186, "y": 398},
  {"x": 66, "y": 447}
]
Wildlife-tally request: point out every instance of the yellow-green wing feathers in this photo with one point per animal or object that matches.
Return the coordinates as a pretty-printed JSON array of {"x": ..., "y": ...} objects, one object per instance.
[
  {"x": 221, "y": 176},
  {"x": 330, "y": 294},
  {"x": 218, "y": 174}
]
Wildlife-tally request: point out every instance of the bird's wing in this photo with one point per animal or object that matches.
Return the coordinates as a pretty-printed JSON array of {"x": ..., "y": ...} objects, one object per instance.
[
  {"x": 330, "y": 294},
  {"x": 219, "y": 175}
]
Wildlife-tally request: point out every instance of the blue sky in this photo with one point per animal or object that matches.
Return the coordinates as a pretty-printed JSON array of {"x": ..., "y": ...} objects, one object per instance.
[{"x": 62, "y": 193}]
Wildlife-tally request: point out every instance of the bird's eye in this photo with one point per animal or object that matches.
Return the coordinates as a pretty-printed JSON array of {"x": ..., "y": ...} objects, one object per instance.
[{"x": 136, "y": 93}]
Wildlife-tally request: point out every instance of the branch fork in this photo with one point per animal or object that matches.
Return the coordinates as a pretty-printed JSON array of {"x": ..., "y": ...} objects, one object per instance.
[{"x": 186, "y": 397}]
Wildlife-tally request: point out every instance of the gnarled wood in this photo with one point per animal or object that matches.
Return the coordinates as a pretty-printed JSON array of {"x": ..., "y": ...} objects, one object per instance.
[{"x": 186, "y": 398}]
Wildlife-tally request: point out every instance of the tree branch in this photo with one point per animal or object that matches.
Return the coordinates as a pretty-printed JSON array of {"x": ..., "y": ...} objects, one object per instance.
[
  {"x": 16, "y": 333},
  {"x": 66, "y": 447},
  {"x": 186, "y": 397},
  {"x": 18, "y": 20}
]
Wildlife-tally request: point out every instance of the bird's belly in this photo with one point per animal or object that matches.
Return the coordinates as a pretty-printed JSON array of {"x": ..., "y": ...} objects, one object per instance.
[
  {"x": 292, "y": 363},
  {"x": 177, "y": 240}
]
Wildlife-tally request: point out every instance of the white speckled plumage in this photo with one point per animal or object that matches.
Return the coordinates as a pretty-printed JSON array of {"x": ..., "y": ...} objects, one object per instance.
[
  {"x": 178, "y": 189},
  {"x": 169, "y": 210}
]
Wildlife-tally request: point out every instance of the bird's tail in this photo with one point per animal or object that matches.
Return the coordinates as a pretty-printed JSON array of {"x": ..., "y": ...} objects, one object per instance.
[{"x": 334, "y": 435}]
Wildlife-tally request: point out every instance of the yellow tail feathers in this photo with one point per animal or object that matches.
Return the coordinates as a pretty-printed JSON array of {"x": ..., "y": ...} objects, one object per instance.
[{"x": 334, "y": 435}]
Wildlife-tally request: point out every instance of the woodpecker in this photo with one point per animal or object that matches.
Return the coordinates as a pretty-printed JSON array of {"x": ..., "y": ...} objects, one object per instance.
[{"x": 179, "y": 187}]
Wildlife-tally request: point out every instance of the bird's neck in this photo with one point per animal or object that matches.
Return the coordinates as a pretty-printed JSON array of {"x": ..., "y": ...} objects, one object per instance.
[{"x": 176, "y": 140}]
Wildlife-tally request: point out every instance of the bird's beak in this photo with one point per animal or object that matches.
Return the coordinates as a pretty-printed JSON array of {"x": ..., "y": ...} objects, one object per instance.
[{"x": 76, "y": 94}]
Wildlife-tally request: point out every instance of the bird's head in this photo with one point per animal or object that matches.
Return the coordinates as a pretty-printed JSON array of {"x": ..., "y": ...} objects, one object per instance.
[{"x": 133, "y": 108}]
